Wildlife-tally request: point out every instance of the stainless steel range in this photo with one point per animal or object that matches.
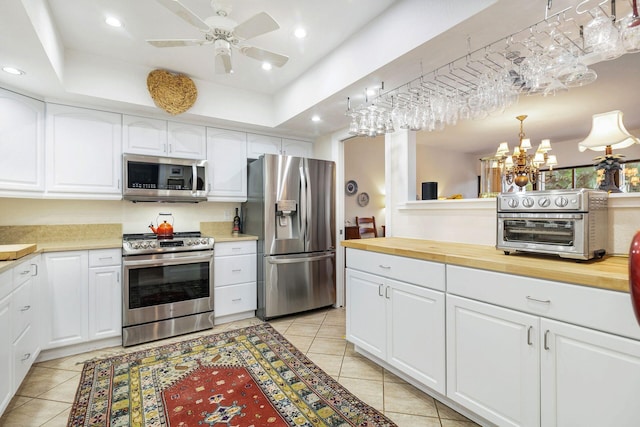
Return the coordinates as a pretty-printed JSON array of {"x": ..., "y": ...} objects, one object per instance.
[
  {"x": 568, "y": 223},
  {"x": 168, "y": 286}
]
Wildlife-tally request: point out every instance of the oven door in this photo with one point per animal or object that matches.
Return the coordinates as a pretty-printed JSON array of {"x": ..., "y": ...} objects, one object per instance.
[
  {"x": 165, "y": 286},
  {"x": 550, "y": 233}
]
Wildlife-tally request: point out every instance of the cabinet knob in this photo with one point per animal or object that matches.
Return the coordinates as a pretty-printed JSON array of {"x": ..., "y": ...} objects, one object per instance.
[
  {"x": 27, "y": 356},
  {"x": 25, "y": 308}
]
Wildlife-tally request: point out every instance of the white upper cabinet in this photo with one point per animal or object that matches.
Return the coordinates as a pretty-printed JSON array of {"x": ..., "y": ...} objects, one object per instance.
[
  {"x": 293, "y": 147},
  {"x": 22, "y": 145},
  {"x": 187, "y": 141},
  {"x": 155, "y": 137},
  {"x": 262, "y": 144},
  {"x": 227, "y": 156},
  {"x": 83, "y": 153},
  {"x": 141, "y": 135}
]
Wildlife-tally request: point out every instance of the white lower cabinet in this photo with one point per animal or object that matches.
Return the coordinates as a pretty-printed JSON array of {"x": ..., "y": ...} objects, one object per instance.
[
  {"x": 513, "y": 365},
  {"x": 235, "y": 278},
  {"x": 20, "y": 325},
  {"x": 84, "y": 300},
  {"x": 399, "y": 322}
]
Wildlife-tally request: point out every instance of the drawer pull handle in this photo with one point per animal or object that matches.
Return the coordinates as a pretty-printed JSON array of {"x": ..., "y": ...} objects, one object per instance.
[
  {"x": 237, "y": 299},
  {"x": 236, "y": 249},
  {"x": 386, "y": 292},
  {"x": 543, "y": 301},
  {"x": 35, "y": 266},
  {"x": 529, "y": 335},
  {"x": 386, "y": 267},
  {"x": 25, "y": 308},
  {"x": 105, "y": 258},
  {"x": 27, "y": 356},
  {"x": 25, "y": 272},
  {"x": 546, "y": 339},
  {"x": 380, "y": 290},
  {"x": 237, "y": 270}
]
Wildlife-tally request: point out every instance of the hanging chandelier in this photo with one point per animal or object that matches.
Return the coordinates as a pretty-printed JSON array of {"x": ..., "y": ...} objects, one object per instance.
[{"x": 522, "y": 168}]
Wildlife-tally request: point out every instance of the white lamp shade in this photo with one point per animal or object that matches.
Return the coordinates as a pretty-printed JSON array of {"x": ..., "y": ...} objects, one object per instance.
[
  {"x": 545, "y": 145},
  {"x": 508, "y": 162},
  {"x": 503, "y": 149},
  {"x": 538, "y": 159},
  {"x": 525, "y": 144},
  {"x": 516, "y": 151},
  {"x": 552, "y": 160},
  {"x": 607, "y": 129}
]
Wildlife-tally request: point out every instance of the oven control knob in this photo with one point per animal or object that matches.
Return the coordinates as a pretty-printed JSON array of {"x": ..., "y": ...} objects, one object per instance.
[
  {"x": 544, "y": 202},
  {"x": 153, "y": 244},
  {"x": 135, "y": 245},
  {"x": 562, "y": 201},
  {"x": 204, "y": 241},
  {"x": 528, "y": 202},
  {"x": 513, "y": 203},
  {"x": 189, "y": 242}
]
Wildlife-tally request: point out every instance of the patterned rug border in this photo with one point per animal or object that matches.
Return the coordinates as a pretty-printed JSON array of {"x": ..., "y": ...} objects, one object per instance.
[{"x": 160, "y": 352}]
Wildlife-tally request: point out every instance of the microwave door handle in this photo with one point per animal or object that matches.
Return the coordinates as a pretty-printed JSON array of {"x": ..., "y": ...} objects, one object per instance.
[{"x": 194, "y": 179}]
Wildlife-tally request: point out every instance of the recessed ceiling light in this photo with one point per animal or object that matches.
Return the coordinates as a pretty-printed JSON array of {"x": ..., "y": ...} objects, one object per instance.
[
  {"x": 113, "y": 21},
  {"x": 300, "y": 33},
  {"x": 371, "y": 92},
  {"x": 315, "y": 118},
  {"x": 13, "y": 70},
  {"x": 266, "y": 66}
]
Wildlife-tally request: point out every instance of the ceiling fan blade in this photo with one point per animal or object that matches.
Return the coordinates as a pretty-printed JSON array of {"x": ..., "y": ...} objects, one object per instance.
[
  {"x": 255, "y": 26},
  {"x": 177, "y": 42},
  {"x": 179, "y": 9},
  {"x": 223, "y": 64},
  {"x": 264, "y": 55}
]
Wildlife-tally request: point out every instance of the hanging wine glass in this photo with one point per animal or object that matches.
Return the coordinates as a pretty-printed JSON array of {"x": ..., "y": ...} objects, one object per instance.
[{"x": 630, "y": 34}]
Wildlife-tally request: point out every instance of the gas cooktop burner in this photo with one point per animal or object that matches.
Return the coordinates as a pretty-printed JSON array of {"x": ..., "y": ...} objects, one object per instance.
[{"x": 149, "y": 243}]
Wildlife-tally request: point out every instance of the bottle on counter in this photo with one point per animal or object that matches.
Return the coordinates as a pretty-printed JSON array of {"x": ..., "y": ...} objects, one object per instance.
[{"x": 237, "y": 225}]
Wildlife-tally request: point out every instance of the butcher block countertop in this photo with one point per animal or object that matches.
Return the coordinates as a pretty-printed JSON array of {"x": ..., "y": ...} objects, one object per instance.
[{"x": 608, "y": 273}]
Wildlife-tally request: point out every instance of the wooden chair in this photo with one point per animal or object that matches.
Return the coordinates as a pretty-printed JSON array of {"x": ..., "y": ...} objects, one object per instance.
[{"x": 366, "y": 227}]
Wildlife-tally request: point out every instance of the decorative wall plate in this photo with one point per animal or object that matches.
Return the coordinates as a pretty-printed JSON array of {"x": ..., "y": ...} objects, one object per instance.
[
  {"x": 363, "y": 199},
  {"x": 351, "y": 188}
]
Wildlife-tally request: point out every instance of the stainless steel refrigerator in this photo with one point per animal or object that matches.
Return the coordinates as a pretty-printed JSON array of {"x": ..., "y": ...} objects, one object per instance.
[{"x": 291, "y": 208}]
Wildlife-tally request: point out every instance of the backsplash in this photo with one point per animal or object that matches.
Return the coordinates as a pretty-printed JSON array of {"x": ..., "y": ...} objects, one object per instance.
[{"x": 13, "y": 234}]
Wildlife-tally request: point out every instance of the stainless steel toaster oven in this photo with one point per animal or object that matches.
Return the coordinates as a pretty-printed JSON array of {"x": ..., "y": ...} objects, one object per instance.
[{"x": 569, "y": 223}]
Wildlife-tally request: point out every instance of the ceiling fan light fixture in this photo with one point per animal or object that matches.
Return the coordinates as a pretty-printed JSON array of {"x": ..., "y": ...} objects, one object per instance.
[{"x": 222, "y": 47}]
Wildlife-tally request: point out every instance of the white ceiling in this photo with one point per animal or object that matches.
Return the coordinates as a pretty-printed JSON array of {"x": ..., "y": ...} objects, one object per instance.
[{"x": 70, "y": 55}]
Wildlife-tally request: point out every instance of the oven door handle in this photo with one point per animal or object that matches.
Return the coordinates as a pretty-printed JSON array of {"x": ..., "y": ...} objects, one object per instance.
[{"x": 157, "y": 262}]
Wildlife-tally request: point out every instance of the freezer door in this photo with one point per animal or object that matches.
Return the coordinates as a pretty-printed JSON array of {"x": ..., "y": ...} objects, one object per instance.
[
  {"x": 295, "y": 283},
  {"x": 319, "y": 205}
]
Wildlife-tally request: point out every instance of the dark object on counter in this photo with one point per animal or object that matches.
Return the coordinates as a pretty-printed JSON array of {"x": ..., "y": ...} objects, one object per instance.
[
  {"x": 237, "y": 224},
  {"x": 429, "y": 190},
  {"x": 634, "y": 274}
]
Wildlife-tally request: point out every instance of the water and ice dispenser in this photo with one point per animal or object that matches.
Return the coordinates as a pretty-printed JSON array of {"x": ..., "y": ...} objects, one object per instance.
[{"x": 287, "y": 226}]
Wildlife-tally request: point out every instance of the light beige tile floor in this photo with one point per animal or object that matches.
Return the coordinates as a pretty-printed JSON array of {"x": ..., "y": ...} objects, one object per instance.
[{"x": 47, "y": 393}]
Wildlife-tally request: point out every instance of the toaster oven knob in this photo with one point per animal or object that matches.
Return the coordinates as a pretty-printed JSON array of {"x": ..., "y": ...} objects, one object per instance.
[
  {"x": 562, "y": 201},
  {"x": 528, "y": 202},
  {"x": 513, "y": 203},
  {"x": 544, "y": 202}
]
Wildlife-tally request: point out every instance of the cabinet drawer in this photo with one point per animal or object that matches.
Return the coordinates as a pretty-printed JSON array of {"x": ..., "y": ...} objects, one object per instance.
[
  {"x": 22, "y": 273},
  {"x": 234, "y": 299},
  {"x": 23, "y": 308},
  {"x": 24, "y": 354},
  {"x": 6, "y": 283},
  {"x": 595, "y": 308},
  {"x": 423, "y": 273},
  {"x": 104, "y": 257},
  {"x": 234, "y": 269},
  {"x": 235, "y": 248}
]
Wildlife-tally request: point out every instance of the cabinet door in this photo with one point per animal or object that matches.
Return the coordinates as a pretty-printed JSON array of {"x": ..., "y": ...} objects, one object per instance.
[
  {"x": 416, "y": 333},
  {"x": 141, "y": 135},
  {"x": 84, "y": 153},
  {"x": 105, "y": 302},
  {"x": 366, "y": 312},
  {"x": 293, "y": 147},
  {"x": 262, "y": 144},
  {"x": 21, "y": 144},
  {"x": 493, "y": 362},
  {"x": 227, "y": 155},
  {"x": 66, "y": 321},
  {"x": 6, "y": 353},
  {"x": 589, "y": 378},
  {"x": 187, "y": 141}
]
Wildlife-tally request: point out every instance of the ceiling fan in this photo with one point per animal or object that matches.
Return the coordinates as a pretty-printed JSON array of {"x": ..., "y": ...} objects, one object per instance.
[{"x": 225, "y": 34}]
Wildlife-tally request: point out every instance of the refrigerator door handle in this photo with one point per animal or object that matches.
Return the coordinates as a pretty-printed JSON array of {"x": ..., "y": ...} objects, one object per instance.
[
  {"x": 272, "y": 260},
  {"x": 303, "y": 202}
]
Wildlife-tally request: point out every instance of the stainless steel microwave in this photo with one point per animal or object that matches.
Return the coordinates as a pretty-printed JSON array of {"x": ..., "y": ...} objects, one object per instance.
[{"x": 163, "y": 179}]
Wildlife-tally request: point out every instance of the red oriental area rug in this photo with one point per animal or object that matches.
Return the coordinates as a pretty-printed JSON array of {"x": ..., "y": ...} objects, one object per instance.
[{"x": 249, "y": 377}]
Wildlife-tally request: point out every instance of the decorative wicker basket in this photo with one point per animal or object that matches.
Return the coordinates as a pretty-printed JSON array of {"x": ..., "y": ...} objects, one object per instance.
[{"x": 174, "y": 93}]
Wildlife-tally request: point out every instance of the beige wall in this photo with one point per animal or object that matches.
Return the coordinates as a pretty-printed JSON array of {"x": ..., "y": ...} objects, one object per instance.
[
  {"x": 364, "y": 163},
  {"x": 134, "y": 217}
]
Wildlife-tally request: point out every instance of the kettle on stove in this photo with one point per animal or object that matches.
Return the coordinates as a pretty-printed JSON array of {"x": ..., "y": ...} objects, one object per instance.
[{"x": 164, "y": 229}]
